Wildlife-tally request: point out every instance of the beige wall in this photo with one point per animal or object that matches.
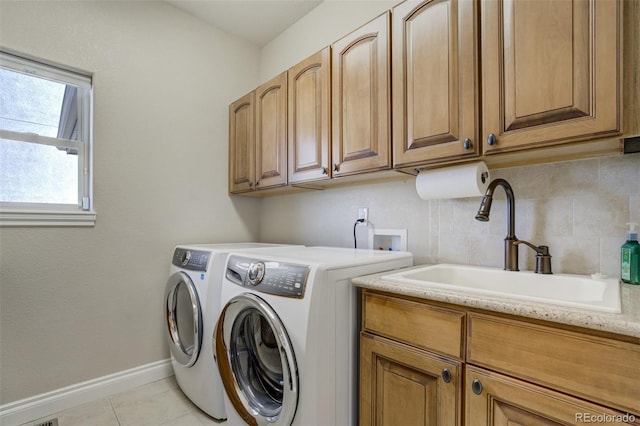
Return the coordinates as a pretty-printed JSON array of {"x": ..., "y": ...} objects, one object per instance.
[
  {"x": 78, "y": 303},
  {"x": 577, "y": 208}
]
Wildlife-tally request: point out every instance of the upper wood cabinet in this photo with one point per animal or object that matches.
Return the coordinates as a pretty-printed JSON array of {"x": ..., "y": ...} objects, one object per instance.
[
  {"x": 242, "y": 169},
  {"x": 258, "y": 138},
  {"x": 550, "y": 71},
  {"x": 435, "y": 81},
  {"x": 361, "y": 99},
  {"x": 271, "y": 133},
  {"x": 310, "y": 118}
]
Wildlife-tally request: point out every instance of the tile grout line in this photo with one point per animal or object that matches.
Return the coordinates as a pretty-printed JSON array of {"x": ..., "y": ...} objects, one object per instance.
[{"x": 115, "y": 412}]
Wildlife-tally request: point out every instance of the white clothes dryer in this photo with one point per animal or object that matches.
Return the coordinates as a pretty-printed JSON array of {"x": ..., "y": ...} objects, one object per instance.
[
  {"x": 286, "y": 340},
  {"x": 192, "y": 306}
]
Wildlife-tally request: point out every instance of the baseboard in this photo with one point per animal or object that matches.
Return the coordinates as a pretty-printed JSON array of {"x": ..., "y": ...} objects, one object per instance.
[{"x": 36, "y": 407}]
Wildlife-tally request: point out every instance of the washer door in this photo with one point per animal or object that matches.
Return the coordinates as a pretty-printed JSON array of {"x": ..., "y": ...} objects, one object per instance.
[
  {"x": 256, "y": 362},
  {"x": 184, "y": 319}
]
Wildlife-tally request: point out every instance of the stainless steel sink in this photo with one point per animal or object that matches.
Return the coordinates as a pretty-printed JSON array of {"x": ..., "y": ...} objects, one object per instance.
[{"x": 580, "y": 291}]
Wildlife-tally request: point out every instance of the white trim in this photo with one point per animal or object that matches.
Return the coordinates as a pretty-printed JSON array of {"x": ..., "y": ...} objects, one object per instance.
[
  {"x": 46, "y": 404},
  {"x": 46, "y": 218},
  {"x": 40, "y": 139},
  {"x": 43, "y": 69}
]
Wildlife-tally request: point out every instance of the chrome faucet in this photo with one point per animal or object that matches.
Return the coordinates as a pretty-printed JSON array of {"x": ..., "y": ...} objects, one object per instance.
[{"x": 511, "y": 242}]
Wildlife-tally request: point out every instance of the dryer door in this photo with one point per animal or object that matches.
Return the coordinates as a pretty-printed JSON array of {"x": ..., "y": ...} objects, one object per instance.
[
  {"x": 256, "y": 361},
  {"x": 184, "y": 319}
]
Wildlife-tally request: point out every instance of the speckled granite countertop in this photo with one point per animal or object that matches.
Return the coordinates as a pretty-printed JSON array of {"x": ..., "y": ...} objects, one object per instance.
[{"x": 626, "y": 323}]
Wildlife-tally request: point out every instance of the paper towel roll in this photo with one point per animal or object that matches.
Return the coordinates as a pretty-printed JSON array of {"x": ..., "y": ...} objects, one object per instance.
[{"x": 465, "y": 180}]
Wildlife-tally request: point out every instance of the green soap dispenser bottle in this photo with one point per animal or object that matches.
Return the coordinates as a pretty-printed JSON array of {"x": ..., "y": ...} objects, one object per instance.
[{"x": 630, "y": 257}]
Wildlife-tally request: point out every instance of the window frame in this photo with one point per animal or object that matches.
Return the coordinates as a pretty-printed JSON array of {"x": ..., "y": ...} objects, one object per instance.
[{"x": 44, "y": 214}]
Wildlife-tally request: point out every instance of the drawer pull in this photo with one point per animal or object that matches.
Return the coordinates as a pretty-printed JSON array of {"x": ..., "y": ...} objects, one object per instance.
[
  {"x": 446, "y": 375},
  {"x": 476, "y": 387},
  {"x": 491, "y": 139}
]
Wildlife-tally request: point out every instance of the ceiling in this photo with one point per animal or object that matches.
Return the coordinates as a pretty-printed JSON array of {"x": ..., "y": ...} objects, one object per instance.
[{"x": 257, "y": 21}]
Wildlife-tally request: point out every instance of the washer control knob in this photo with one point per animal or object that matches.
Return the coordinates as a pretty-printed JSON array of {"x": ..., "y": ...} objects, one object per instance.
[
  {"x": 256, "y": 273},
  {"x": 186, "y": 256}
]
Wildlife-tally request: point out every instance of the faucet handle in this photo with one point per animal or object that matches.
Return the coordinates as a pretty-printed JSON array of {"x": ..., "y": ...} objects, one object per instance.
[
  {"x": 543, "y": 251},
  {"x": 543, "y": 258}
]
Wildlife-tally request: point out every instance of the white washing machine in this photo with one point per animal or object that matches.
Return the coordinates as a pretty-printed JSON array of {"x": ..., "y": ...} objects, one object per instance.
[
  {"x": 286, "y": 340},
  {"x": 192, "y": 306}
]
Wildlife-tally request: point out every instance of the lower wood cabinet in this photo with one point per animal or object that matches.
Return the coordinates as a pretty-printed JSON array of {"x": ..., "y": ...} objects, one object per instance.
[
  {"x": 495, "y": 399},
  {"x": 479, "y": 368},
  {"x": 401, "y": 385},
  {"x": 599, "y": 369}
]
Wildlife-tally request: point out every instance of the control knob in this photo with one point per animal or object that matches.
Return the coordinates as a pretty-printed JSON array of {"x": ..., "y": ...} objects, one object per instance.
[
  {"x": 186, "y": 256},
  {"x": 256, "y": 273}
]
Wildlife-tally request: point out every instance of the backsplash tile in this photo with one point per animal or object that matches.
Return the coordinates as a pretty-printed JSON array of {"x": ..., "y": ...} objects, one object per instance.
[
  {"x": 573, "y": 178},
  {"x": 601, "y": 215},
  {"x": 620, "y": 175},
  {"x": 578, "y": 208},
  {"x": 551, "y": 216}
]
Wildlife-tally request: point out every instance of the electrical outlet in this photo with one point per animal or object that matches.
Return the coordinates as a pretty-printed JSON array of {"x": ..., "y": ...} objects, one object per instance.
[{"x": 363, "y": 213}]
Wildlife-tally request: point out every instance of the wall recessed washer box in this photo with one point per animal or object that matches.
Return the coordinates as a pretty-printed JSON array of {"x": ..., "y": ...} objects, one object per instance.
[{"x": 388, "y": 239}]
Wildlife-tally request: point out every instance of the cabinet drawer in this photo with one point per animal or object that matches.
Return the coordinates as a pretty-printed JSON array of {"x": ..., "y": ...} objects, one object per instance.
[
  {"x": 429, "y": 327},
  {"x": 600, "y": 369}
]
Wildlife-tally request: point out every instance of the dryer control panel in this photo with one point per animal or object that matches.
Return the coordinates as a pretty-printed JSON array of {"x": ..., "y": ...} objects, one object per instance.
[
  {"x": 279, "y": 278},
  {"x": 193, "y": 260}
]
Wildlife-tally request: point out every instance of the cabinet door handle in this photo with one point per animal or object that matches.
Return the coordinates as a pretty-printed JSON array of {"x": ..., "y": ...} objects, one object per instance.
[
  {"x": 335, "y": 167},
  {"x": 324, "y": 171},
  {"x": 250, "y": 184},
  {"x": 257, "y": 183},
  {"x": 476, "y": 386},
  {"x": 491, "y": 139},
  {"x": 446, "y": 375},
  {"x": 467, "y": 143}
]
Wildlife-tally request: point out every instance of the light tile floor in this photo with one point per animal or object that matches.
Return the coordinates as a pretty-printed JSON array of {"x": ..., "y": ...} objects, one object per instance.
[{"x": 160, "y": 403}]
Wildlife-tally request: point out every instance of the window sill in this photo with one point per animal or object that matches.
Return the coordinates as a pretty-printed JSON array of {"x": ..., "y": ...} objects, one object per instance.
[{"x": 26, "y": 218}]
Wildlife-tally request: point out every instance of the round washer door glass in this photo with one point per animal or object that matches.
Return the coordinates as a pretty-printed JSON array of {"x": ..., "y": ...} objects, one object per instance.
[
  {"x": 184, "y": 319},
  {"x": 257, "y": 362}
]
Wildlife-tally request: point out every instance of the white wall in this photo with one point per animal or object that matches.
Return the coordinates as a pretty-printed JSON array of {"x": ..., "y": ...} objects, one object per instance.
[
  {"x": 81, "y": 303},
  {"x": 577, "y": 208}
]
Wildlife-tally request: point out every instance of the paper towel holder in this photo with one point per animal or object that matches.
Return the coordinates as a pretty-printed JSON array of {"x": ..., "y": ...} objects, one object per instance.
[{"x": 484, "y": 176}]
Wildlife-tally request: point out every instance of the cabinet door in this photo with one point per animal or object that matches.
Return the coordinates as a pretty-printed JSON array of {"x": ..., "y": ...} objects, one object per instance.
[
  {"x": 241, "y": 145},
  {"x": 271, "y": 133},
  {"x": 401, "y": 385},
  {"x": 435, "y": 74},
  {"x": 550, "y": 71},
  {"x": 310, "y": 118},
  {"x": 493, "y": 399},
  {"x": 361, "y": 99}
]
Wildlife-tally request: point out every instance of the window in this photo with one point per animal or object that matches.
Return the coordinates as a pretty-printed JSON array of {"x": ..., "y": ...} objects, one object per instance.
[{"x": 45, "y": 144}]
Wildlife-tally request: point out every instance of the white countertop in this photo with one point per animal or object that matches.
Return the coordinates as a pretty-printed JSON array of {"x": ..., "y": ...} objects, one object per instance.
[{"x": 626, "y": 323}]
